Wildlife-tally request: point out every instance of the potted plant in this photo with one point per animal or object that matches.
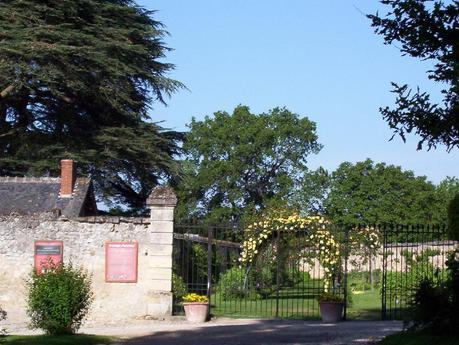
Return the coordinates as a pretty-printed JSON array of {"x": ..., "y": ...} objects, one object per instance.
[
  {"x": 331, "y": 307},
  {"x": 196, "y": 307}
]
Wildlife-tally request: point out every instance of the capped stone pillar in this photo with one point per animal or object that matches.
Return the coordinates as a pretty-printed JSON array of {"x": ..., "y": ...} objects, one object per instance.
[{"x": 162, "y": 202}]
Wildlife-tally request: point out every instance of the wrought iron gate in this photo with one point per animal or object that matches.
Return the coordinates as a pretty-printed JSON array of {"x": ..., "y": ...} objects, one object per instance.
[
  {"x": 283, "y": 281},
  {"x": 286, "y": 277},
  {"x": 410, "y": 253}
]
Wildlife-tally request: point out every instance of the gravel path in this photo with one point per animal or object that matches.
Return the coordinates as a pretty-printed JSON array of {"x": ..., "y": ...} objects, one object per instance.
[{"x": 249, "y": 331}]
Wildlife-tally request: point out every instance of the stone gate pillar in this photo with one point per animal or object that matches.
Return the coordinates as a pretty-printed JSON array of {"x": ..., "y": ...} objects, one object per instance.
[{"x": 162, "y": 202}]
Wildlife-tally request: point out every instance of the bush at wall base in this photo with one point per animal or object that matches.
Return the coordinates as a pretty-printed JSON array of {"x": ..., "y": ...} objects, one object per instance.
[
  {"x": 331, "y": 307},
  {"x": 196, "y": 308},
  {"x": 59, "y": 299},
  {"x": 2, "y": 318}
]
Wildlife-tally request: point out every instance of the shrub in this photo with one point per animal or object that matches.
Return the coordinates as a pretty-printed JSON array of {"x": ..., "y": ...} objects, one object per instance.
[
  {"x": 435, "y": 304},
  {"x": 231, "y": 284},
  {"x": 330, "y": 297},
  {"x": 2, "y": 318},
  {"x": 294, "y": 277},
  {"x": 453, "y": 219},
  {"x": 178, "y": 287},
  {"x": 403, "y": 284},
  {"x": 199, "y": 260},
  {"x": 262, "y": 280},
  {"x": 429, "y": 300},
  {"x": 360, "y": 280},
  {"x": 59, "y": 299}
]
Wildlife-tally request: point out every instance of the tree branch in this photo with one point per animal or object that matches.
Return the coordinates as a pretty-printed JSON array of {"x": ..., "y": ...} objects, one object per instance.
[
  {"x": 11, "y": 132},
  {"x": 6, "y": 91}
]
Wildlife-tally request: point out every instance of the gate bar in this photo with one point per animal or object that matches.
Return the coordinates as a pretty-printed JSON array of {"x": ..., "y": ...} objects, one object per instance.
[
  {"x": 209, "y": 263},
  {"x": 384, "y": 275},
  {"x": 346, "y": 254},
  {"x": 278, "y": 253}
]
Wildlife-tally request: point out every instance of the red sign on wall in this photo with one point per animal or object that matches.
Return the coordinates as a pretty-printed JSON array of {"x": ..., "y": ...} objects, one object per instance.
[
  {"x": 46, "y": 252},
  {"x": 121, "y": 262}
]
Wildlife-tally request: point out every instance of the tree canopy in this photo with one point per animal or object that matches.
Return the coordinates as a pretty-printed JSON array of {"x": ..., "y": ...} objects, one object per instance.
[
  {"x": 243, "y": 162},
  {"x": 368, "y": 193},
  {"x": 453, "y": 218},
  {"x": 313, "y": 189},
  {"x": 446, "y": 190},
  {"x": 77, "y": 80},
  {"x": 428, "y": 30}
]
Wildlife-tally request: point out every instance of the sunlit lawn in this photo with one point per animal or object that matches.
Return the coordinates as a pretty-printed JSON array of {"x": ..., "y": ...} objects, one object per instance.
[
  {"x": 293, "y": 303},
  {"x": 80, "y": 339},
  {"x": 299, "y": 302},
  {"x": 366, "y": 305}
]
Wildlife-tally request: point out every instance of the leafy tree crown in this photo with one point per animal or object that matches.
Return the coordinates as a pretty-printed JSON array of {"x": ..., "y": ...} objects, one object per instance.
[{"x": 77, "y": 80}]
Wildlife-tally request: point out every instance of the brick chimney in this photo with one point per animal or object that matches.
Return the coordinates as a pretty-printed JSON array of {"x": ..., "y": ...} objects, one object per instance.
[{"x": 67, "y": 178}]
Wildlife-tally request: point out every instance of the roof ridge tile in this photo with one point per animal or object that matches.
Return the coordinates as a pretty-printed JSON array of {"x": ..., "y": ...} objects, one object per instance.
[{"x": 16, "y": 179}]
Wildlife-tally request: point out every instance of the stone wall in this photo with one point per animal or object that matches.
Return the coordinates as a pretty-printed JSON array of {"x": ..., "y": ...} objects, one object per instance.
[
  {"x": 84, "y": 244},
  {"x": 395, "y": 260}
]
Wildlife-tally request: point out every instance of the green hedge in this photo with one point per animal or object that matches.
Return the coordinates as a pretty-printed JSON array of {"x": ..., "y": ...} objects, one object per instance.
[{"x": 59, "y": 299}]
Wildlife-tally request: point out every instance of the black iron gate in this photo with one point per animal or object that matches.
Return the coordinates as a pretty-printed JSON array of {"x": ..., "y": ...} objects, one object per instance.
[
  {"x": 376, "y": 268},
  {"x": 284, "y": 279},
  {"x": 410, "y": 254}
]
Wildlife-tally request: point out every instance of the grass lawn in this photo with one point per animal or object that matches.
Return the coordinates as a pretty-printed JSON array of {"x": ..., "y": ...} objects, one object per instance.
[
  {"x": 411, "y": 338},
  {"x": 291, "y": 304},
  {"x": 366, "y": 305},
  {"x": 298, "y": 302},
  {"x": 80, "y": 339}
]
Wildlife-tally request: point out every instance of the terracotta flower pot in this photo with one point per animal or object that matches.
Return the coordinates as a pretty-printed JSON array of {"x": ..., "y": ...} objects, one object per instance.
[
  {"x": 196, "y": 311},
  {"x": 331, "y": 312}
]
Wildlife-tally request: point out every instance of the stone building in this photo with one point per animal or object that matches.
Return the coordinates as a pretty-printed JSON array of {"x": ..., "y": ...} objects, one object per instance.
[
  {"x": 66, "y": 195},
  {"x": 37, "y": 211}
]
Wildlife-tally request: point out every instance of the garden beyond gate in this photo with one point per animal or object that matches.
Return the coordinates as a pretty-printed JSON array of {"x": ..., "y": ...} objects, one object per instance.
[{"x": 279, "y": 267}]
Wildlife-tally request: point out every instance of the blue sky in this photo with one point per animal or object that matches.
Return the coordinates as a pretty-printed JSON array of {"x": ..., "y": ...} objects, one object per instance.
[{"x": 319, "y": 59}]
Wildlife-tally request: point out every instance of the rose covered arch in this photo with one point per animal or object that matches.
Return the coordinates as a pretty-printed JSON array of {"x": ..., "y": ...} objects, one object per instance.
[{"x": 321, "y": 242}]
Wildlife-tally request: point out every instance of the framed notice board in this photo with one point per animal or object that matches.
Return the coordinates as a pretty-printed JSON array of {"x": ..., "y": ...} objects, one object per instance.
[
  {"x": 46, "y": 251},
  {"x": 121, "y": 260}
]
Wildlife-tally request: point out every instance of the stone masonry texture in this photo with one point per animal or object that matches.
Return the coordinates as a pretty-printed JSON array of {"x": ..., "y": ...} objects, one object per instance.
[{"x": 84, "y": 244}]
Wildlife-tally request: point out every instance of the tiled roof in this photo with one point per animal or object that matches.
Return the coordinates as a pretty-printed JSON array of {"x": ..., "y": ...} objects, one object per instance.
[{"x": 31, "y": 195}]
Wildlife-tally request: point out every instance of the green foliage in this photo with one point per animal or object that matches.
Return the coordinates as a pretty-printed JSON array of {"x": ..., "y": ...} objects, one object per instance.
[
  {"x": 77, "y": 80},
  {"x": 3, "y": 315},
  {"x": 360, "y": 280},
  {"x": 59, "y": 300},
  {"x": 263, "y": 279},
  {"x": 370, "y": 193},
  {"x": 430, "y": 302},
  {"x": 312, "y": 192},
  {"x": 402, "y": 284},
  {"x": 330, "y": 297},
  {"x": 251, "y": 283},
  {"x": 199, "y": 260},
  {"x": 243, "y": 162},
  {"x": 447, "y": 189},
  {"x": 426, "y": 30},
  {"x": 435, "y": 304},
  {"x": 80, "y": 339},
  {"x": 232, "y": 284},
  {"x": 453, "y": 219},
  {"x": 294, "y": 276},
  {"x": 179, "y": 288},
  {"x": 414, "y": 259}
]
